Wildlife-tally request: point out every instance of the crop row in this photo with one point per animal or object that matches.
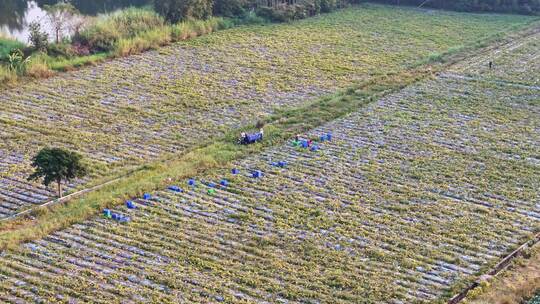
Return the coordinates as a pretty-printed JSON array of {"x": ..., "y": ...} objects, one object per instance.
[
  {"x": 415, "y": 193},
  {"x": 135, "y": 109}
]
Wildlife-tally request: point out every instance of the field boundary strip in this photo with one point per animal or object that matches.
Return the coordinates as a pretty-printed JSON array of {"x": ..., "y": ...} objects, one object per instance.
[
  {"x": 497, "y": 268},
  {"x": 63, "y": 199}
]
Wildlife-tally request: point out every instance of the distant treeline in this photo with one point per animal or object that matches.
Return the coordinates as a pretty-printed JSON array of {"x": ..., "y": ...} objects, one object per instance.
[{"x": 531, "y": 7}]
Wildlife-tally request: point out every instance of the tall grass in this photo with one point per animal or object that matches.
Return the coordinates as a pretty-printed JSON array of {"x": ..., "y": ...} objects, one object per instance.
[
  {"x": 193, "y": 28},
  {"x": 38, "y": 68},
  {"x": 132, "y": 21},
  {"x": 7, "y": 76},
  {"x": 107, "y": 30},
  {"x": 68, "y": 64},
  {"x": 143, "y": 41}
]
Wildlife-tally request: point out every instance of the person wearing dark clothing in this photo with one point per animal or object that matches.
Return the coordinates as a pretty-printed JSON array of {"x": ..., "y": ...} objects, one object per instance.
[{"x": 490, "y": 65}]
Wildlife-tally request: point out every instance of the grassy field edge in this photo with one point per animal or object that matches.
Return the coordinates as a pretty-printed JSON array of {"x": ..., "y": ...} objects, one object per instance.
[{"x": 514, "y": 285}]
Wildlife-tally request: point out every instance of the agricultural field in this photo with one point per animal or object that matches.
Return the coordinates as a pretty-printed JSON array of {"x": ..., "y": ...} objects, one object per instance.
[
  {"x": 515, "y": 63},
  {"x": 129, "y": 111},
  {"x": 413, "y": 197}
]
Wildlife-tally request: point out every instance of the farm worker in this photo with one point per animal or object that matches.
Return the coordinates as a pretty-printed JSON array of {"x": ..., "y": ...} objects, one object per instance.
[
  {"x": 490, "y": 65},
  {"x": 309, "y": 142},
  {"x": 296, "y": 141},
  {"x": 262, "y": 133},
  {"x": 243, "y": 138}
]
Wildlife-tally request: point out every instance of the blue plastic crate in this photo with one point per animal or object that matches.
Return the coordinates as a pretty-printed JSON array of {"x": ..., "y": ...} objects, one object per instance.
[{"x": 175, "y": 188}]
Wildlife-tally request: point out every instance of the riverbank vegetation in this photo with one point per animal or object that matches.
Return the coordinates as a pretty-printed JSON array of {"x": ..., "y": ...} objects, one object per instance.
[
  {"x": 134, "y": 30},
  {"x": 122, "y": 33}
]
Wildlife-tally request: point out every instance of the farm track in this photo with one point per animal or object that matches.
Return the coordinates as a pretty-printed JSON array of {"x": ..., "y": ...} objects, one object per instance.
[
  {"x": 133, "y": 110},
  {"x": 415, "y": 193}
]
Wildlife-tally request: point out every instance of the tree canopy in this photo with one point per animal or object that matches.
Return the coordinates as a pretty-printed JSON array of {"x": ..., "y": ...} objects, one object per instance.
[
  {"x": 179, "y": 10},
  {"x": 57, "y": 165}
]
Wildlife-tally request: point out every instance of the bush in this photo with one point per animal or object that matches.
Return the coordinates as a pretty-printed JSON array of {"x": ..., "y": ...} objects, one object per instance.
[
  {"x": 229, "y": 8},
  {"x": 283, "y": 12},
  {"x": 327, "y": 6},
  {"x": 17, "y": 62},
  {"x": 39, "y": 39},
  {"x": 38, "y": 68},
  {"x": 249, "y": 18},
  {"x": 175, "y": 11},
  {"x": 61, "y": 50}
]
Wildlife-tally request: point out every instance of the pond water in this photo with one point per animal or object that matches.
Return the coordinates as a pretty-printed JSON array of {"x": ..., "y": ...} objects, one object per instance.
[{"x": 16, "y": 15}]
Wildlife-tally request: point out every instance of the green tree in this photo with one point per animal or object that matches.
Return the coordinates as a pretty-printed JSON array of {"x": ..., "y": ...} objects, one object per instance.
[
  {"x": 39, "y": 39},
  {"x": 61, "y": 16},
  {"x": 179, "y": 10},
  {"x": 57, "y": 165}
]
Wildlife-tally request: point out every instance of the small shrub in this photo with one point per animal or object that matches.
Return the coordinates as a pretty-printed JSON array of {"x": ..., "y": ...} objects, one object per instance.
[
  {"x": 327, "y": 6},
  {"x": 229, "y": 8},
  {"x": 61, "y": 50},
  {"x": 250, "y": 18},
  {"x": 182, "y": 31},
  {"x": 80, "y": 50},
  {"x": 38, "y": 68},
  {"x": 17, "y": 62},
  {"x": 39, "y": 39},
  {"x": 225, "y": 23},
  {"x": 283, "y": 12}
]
